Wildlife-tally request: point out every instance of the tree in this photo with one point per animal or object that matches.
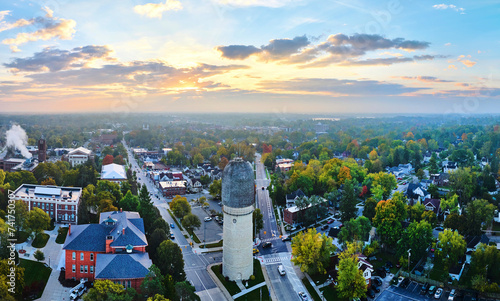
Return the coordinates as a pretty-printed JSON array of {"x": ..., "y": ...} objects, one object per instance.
[
  {"x": 433, "y": 164},
  {"x": 152, "y": 283},
  {"x": 430, "y": 217},
  {"x": 106, "y": 205},
  {"x": 355, "y": 230},
  {"x": 420, "y": 174},
  {"x": 105, "y": 290},
  {"x": 223, "y": 162},
  {"x": 258, "y": 220},
  {"x": 348, "y": 201},
  {"x": 450, "y": 203},
  {"x": 21, "y": 215},
  {"x": 38, "y": 220},
  {"x": 388, "y": 217},
  {"x": 180, "y": 206},
  {"x": 215, "y": 189},
  {"x": 49, "y": 181},
  {"x": 416, "y": 237},
  {"x": 477, "y": 213},
  {"x": 118, "y": 160},
  {"x": 462, "y": 184},
  {"x": 108, "y": 160},
  {"x": 369, "y": 210},
  {"x": 311, "y": 251},
  {"x": 170, "y": 260},
  {"x": 386, "y": 181},
  {"x": 451, "y": 247},
  {"x": 185, "y": 291},
  {"x": 455, "y": 222},
  {"x": 434, "y": 191},
  {"x": 158, "y": 297},
  {"x": 39, "y": 256},
  {"x": 486, "y": 261},
  {"x": 129, "y": 202},
  {"x": 351, "y": 283},
  {"x": 158, "y": 236},
  {"x": 416, "y": 211},
  {"x": 191, "y": 222},
  {"x": 5, "y": 270}
]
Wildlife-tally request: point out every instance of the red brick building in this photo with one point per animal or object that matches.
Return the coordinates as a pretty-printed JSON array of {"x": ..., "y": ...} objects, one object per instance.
[
  {"x": 114, "y": 249},
  {"x": 172, "y": 188}
]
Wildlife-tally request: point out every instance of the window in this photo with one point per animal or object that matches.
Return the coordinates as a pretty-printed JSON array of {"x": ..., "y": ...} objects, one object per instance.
[
  {"x": 91, "y": 269},
  {"x": 91, "y": 256},
  {"x": 81, "y": 268},
  {"x": 74, "y": 255},
  {"x": 66, "y": 207},
  {"x": 43, "y": 205},
  {"x": 86, "y": 269},
  {"x": 128, "y": 283},
  {"x": 81, "y": 256},
  {"x": 74, "y": 268}
]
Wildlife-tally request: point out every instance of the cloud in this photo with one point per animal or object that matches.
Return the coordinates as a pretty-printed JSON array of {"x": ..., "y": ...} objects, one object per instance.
[
  {"x": 468, "y": 63},
  {"x": 450, "y": 6},
  {"x": 54, "y": 59},
  {"x": 4, "y": 25},
  {"x": 336, "y": 87},
  {"x": 427, "y": 79},
  {"x": 265, "y": 3},
  {"x": 387, "y": 61},
  {"x": 156, "y": 10},
  {"x": 51, "y": 27},
  {"x": 336, "y": 49}
]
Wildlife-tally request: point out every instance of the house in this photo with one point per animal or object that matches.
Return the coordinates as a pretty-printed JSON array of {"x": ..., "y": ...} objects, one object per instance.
[
  {"x": 170, "y": 189},
  {"x": 60, "y": 203},
  {"x": 484, "y": 162},
  {"x": 457, "y": 270},
  {"x": 474, "y": 241},
  {"x": 113, "y": 172},
  {"x": 196, "y": 186},
  {"x": 79, "y": 156},
  {"x": 291, "y": 214},
  {"x": 426, "y": 183},
  {"x": 441, "y": 179},
  {"x": 416, "y": 192},
  {"x": 292, "y": 197},
  {"x": 432, "y": 205},
  {"x": 283, "y": 165},
  {"x": 406, "y": 168},
  {"x": 367, "y": 268},
  {"x": 449, "y": 166},
  {"x": 114, "y": 249}
]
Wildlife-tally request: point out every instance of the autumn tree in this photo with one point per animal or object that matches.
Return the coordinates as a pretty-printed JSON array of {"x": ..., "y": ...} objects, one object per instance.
[
  {"x": 223, "y": 162},
  {"x": 311, "y": 251},
  {"x": 351, "y": 283},
  {"x": 48, "y": 182},
  {"x": 104, "y": 290},
  {"x": 108, "y": 160},
  {"x": 388, "y": 217},
  {"x": 180, "y": 206}
]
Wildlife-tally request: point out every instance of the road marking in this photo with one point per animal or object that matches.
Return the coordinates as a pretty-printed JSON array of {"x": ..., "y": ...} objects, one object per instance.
[{"x": 204, "y": 286}]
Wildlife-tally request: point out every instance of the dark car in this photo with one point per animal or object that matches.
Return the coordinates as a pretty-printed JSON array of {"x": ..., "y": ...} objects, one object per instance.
[
  {"x": 267, "y": 244},
  {"x": 405, "y": 283},
  {"x": 389, "y": 264},
  {"x": 431, "y": 291},
  {"x": 424, "y": 288},
  {"x": 370, "y": 293},
  {"x": 439, "y": 228},
  {"x": 286, "y": 238},
  {"x": 329, "y": 221},
  {"x": 377, "y": 281},
  {"x": 324, "y": 227},
  {"x": 376, "y": 288},
  {"x": 381, "y": 272}
]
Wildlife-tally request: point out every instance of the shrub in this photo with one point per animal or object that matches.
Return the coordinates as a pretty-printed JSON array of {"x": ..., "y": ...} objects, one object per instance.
[{"x": 252, "y": 277}]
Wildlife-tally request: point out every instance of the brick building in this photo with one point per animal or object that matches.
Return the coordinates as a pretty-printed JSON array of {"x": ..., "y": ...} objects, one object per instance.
[
  {"x": 114, "y": 249},
  {"x": 60, "y": 203},
  {"x": 172, "y": 188}
]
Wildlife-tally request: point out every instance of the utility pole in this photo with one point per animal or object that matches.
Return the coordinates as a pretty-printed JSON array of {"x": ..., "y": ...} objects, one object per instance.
[
  {"x": 409, "y": 254},
  {"x": 204, "y": 239}
]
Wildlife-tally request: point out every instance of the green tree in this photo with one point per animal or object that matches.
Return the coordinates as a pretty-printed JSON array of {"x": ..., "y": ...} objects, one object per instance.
[
  {"x": 215, "y": 189},
  {"x": 180, "y": 206},
  {"x": 21, "y": 215},
  {"x": 5, "y": 270},
  {"x": 258, "y": 220},
  {"x": 158, "y": 236},
  {"x": 370, "y": 205},
  {"x": 486, "y": 261},
  {"x": 420, "y": 174},
  {"x": 170, "y": 260},
  {"x": 129, "y": 202},
  {"x": 416, "y": 211},
  {"x": 430, "y": 217},
  {"x": 348, "y": 201},
  {"x": 152, "y": 283},
  {"x": 311, "y": 251},
  {"x": 105, "y": 290},
  {"x": 451, "y": 247},
  {"x": 462, "y": 183},
  {"x": 158, "y": 297},
  {"x": 386, "y": 181},
  {"x": 39, "y": 256},
  {"x": 433, "y": 164},
  {"x": 191, "y": 222},
  {"x": 477, "y": 213},
  {"x": 450, "y": 203},
  {"x": 416, "y": 237},
  {"x": 388, "y": 217},
  {"x": 355, "y": 230},
  {"x": 455, "y": 222},
  {"x": 38, "y": 220},
  {"x": 351, "y": 283},
  {"x": 185, "y": 291}
]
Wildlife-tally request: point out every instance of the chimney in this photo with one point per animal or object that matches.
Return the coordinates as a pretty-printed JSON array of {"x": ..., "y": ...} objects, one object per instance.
[
  {"x": 121, "y": 210},
  {"x": 69, "y": 230},
  {"x": 123, "y": 231}
]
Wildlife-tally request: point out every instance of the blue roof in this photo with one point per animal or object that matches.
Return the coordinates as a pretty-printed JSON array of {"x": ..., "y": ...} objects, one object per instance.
[
  {"x": 122, "y": 266},
  {"x": 90, "y": 237}
]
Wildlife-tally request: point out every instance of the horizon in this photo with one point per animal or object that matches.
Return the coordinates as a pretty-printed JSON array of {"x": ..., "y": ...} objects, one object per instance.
[{"x": 250, "y": 56}]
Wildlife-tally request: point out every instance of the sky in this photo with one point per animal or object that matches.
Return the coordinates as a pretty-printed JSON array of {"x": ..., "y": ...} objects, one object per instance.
[{"x": 281, "y": 56}]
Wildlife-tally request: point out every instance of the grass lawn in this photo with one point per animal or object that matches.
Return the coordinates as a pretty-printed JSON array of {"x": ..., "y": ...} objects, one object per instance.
[
  {"x": 331, "y": 294},
  {"x": 61, "y": 237},
  {"x": 175, "y": 219},
  {"x": 231, "y": 286},
  {"x": 257, "y": 272},
  {"x": 382, "y": 259},
  {"x": 40, "y": 240},
  {"x": 439, "y": 272},
  {"x": 21, "y": 236},
  {"x": 213, "y": 245},
  {"x": 495, "y": 227},
  {"x": 35, "y": 272},
  {"x": 256, "y": 295},
  {"x": 319, "y": 278},
  {"x": 193, "y": 235},
  {"x": 311, "y": 290}
]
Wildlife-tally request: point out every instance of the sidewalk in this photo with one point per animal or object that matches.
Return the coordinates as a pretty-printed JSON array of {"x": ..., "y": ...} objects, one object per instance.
[
  {"x": 247, "y": 290},
  {"x": 313, "y": 285}
]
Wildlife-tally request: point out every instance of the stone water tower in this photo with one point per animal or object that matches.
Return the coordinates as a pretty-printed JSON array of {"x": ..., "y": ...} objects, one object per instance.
[{"x": 238, "y": 195}]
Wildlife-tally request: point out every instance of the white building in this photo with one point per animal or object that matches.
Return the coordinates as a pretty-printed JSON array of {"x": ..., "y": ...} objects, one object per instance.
[
  {"x": 79, "y": 156},
  {"x": 60, "y": 203},
  {"x": 113, "y": 172}
]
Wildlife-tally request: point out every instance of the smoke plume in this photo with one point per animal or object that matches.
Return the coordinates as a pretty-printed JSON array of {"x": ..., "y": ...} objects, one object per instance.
[{"x": 17, "y": 138}]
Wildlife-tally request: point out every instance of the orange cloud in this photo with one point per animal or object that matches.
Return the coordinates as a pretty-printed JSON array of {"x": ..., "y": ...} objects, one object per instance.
[{"x": 156, "y": 10}]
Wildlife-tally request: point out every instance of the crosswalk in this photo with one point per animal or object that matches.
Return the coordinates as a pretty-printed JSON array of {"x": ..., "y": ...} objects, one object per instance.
[
  {"x": 270, "y": 239},
  {"x": 266, "y": 259}
]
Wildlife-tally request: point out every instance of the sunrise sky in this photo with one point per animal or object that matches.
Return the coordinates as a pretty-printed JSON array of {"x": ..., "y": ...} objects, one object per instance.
[{"x": 300, "y": 56}]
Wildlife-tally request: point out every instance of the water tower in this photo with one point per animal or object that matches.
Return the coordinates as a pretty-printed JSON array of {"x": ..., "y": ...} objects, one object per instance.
[{"x": 238, "y": 197}]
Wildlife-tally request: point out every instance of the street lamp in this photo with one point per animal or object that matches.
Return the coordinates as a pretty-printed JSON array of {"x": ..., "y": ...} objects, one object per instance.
[{"x": 409, "y": 254}]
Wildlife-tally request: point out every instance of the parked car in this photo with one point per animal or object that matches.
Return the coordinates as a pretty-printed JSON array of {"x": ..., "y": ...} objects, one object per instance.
[
  {"x": 405, "y": 283},
  {"x": 424, "y": 289},
  {"x": 172, "y": 234},
  {"x": 324, "y": 227},
  {"x": 375, "y": 288},
  {"x": 381, "y": 272},
  {"x": 281, "y": 270},
  {"x": 377, "y": 281},
  {"x": 451, "y": 297},
  {"x": 255, "y": 251},
  {"x": 267, "y": 244},
  {"x": 208, "y": 218},
  {"x": 370, "y": 293},
  {"x": 438, "y": 294},
  {"x": 329, "y": 221},
  {"x": 172, "y": 225},
  {"x": 439, "y": 228},
  {"x": 432, "y": 290},
  {"x": 303, "y": 296},
  {"x": 286, "y": 238}
]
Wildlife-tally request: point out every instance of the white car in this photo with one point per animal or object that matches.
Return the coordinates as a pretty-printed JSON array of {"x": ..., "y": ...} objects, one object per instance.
[
  {"x": 208, "y": 218},
  {"x": 452, "y": 295},
  {"x": 281, "y": 270},
  {"x": 438, "y": 293}
]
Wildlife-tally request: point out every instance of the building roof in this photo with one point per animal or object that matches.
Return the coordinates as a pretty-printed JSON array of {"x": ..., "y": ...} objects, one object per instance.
[
  {"x": 415, "y": 190},
  {"x": 435, "y": 203},
  {"x": 122, "y": 266},
  {"x": 172, "y": 184},
  {"x": 473, "y": 241},
  {"x": 113, "y": 172},
  {"x": 92, "y": 237},
  {"x": 59, "y": 193},
  {"x": 238, "y": 184},
  {"x": 48, "y": 190},
  {"x": 295, "y": 194},
  {"x": 80, "y": 150}
]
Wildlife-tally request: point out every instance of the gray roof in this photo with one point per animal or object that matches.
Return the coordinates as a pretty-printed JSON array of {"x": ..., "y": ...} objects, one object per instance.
[
  {"x": 122, "y": 266},
  {"x": 238, "y": 184}
]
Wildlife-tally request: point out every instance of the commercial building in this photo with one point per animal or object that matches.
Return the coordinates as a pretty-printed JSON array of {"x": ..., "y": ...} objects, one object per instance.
[
  {"x": 170, "y": 189},
  {"x": 60, "y": 203},
  {"x": 79, "y": 156}
]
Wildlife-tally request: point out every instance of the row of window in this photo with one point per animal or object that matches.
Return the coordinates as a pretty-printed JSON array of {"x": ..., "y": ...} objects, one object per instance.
[
  {"x": 42, "y": 206},
  {"x": 125, "y": 283},
  {"x": 84, "y": 269},
  {"x": 66, "y": 217},
  {"x": 82, "y": 256}
]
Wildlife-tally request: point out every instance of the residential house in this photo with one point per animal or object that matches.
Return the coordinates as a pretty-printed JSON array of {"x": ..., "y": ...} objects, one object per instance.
[
  {"x": 432, "y": 205},
  {"x": 449, "y": 166},
  {"x": 441, "y": 179},
  {"x": 113, "y": 172},
  {"x": 60, "y": 203},
  {"x": 283, "y": 165},
  {"x": 292, "y": 197},
  {"x": 196, "y": 186},
  {"x": 108, "y": 139},
  {"x": 416, "y": 192},
  {"x": 114, "y": 249}
]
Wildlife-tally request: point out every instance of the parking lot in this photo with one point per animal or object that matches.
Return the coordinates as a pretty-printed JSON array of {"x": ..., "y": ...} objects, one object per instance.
[{"x": 412, "y": 292}]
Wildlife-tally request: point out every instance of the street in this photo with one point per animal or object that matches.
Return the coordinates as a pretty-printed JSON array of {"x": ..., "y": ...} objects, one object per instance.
[{"x": 195, "y": 265}]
